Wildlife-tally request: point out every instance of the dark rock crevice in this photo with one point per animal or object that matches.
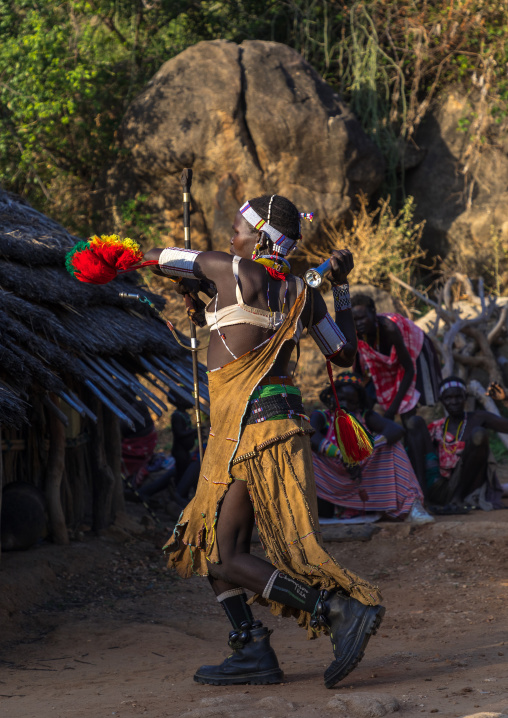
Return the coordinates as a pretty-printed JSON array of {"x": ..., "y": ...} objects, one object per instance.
[
  {"x": 247, "y": 138},
  {"x": 246, "y": 118}
]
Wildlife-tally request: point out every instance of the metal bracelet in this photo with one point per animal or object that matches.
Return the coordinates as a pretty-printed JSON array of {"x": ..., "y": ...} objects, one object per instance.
[{"x": 341, "y": 298}]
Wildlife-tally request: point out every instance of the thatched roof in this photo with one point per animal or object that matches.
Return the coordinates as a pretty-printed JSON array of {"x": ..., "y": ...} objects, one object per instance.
[
  {"x": 56, "y": 330},
  {"x": 29, "y": 237},
  {"x": 12, "y": 409}
]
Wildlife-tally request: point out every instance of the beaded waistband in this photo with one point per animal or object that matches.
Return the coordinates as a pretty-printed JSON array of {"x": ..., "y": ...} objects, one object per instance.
[{"x": 276, "y": 401}]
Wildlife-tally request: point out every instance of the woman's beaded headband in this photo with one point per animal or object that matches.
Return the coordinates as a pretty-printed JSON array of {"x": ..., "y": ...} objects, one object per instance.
[
  {"x": 281, "y": 244},
  {"x": 347, "y": 378},
  {"x": 452, "y": 384}
]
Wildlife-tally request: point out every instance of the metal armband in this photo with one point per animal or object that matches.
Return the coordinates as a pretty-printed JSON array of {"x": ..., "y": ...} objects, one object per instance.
[
  {"x": 328, "y": 336},
  {"x": 341, "y": 298}
]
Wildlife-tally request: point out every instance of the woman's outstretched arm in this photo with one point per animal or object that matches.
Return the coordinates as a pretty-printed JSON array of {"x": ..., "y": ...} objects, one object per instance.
[{"x": 336, "y": 339}]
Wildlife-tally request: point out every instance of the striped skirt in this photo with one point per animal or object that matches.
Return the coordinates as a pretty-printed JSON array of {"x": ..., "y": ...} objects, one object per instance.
[{"x": 388, "y": 481}]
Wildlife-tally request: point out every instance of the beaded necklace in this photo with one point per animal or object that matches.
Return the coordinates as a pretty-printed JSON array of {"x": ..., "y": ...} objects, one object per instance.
[
  {"x": 278, "y": 268},
  {"x": 458, "y": 436}
]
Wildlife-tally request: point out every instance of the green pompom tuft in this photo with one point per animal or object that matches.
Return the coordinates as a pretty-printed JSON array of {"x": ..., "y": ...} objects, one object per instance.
[{"x": 69, "y": 257}]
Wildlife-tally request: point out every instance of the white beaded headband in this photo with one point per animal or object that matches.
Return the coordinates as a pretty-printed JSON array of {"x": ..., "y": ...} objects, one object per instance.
[
  {"x": 281, "y": 244},
  {"x": 452, "y": 384}
]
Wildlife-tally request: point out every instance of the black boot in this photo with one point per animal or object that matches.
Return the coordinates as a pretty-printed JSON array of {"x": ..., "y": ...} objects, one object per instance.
[
  {"x": 253, "y": 660},
  {"x": 350, "y": 624}
]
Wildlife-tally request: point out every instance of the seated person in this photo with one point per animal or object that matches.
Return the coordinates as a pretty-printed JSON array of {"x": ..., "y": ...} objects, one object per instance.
[
  {"x": 460, "y": 469},
  {"x": 138, "y": 444},
  {"x": 138, "y": 447},
  {"x": 385, "y": 482},
  {"x": 187, "y": 483},
  {"x": 498, "y": 393},
  {"x": 396, "y": 359},
  {"x": 184, "y": 434}
]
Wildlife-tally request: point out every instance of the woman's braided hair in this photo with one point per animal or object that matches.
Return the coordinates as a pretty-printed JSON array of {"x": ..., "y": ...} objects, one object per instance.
[{"x": 283, "y": 214}]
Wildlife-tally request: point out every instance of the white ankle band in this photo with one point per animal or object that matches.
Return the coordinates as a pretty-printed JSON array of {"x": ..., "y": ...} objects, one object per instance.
[
  {"x": 268, "y": 588},
  {"x": 229, "y": 594}
]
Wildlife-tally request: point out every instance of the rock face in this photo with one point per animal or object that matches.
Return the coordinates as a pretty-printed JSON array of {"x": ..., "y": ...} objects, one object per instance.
[
  {"x": 247, "y": 119},
  {"x": 460, "y": 192}
]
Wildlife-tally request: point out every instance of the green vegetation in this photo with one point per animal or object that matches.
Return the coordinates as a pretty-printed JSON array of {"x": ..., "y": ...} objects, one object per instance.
[
  {"x": 498, "y": 448},
  {"x": 69, "y": 69}
]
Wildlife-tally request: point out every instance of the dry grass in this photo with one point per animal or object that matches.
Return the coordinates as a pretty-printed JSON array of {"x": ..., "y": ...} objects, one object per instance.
[
  {"x": 479, "y": 259},
  {"x": 381, "y": 242}
]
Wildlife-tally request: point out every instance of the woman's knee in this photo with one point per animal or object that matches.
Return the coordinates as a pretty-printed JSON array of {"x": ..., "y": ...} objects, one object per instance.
[
  {"x": 415, "y": 425},
  {"x": 480, "y": 436},
  {"x": 228, "y": 569}
]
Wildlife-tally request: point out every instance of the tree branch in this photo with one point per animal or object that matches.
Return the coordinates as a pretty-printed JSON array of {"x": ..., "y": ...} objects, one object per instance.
[
  {"x": 109, "y": 24},
  {"x": 500, "y": 325},
  {"x": 449, "y": 317}
]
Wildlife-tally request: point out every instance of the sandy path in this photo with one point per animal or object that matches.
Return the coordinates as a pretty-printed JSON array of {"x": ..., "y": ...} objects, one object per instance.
[{"x": 111, "y": 632}]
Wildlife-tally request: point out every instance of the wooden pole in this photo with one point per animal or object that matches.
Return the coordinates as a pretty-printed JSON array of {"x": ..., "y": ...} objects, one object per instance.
[
  {"x": 56, "y": 466},
  {"x": 102, "y": 475},
  {"x": 113, "y": 446},
  {"x": 1, "y": 484},
  {"x": 186, "y": 181}
]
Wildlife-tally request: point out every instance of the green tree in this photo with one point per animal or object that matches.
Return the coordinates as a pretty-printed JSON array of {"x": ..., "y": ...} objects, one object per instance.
[{"x": 67, "y": 73}]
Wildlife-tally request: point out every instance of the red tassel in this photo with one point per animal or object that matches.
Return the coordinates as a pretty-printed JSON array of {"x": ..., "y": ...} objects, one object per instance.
[
  {"x": 100, "y": 259},
  {"x": 354, "y": 442},
  {"x": 121, "y": 258},
  {"x": 351, "y": 438}
]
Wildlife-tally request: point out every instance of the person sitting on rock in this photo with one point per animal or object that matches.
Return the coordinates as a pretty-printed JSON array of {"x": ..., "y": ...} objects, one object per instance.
[
  {"x": 396, "y": 359},
  {"x": 384, "y": 483},
  {"x": 460, "y": 469}
]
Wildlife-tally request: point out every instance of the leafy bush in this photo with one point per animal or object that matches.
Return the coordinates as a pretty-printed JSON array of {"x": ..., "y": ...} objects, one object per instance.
[{"x": 68, "y": 71}]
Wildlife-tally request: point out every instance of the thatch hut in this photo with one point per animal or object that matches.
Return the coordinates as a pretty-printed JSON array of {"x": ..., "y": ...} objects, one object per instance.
[{"x": 71, "y": 359}]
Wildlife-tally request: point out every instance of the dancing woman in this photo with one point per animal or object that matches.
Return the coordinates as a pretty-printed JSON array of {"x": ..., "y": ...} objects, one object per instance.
[{"x": 258, "y": 462}]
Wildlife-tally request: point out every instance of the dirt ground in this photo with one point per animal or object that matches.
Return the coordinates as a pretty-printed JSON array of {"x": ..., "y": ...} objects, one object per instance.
[{"x": 101, "y": 628}]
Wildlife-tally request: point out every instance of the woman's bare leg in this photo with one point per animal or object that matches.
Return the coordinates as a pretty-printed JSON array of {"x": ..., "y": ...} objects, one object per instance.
[
  {"x": 233, "y": 535},
  {"x": 238, "y": 568}
]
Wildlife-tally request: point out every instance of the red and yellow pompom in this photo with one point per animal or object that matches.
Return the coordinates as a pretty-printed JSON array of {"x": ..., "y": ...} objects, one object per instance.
[
  {"x": 354, "y": 441},
  {"x": 100, "y": 259}
]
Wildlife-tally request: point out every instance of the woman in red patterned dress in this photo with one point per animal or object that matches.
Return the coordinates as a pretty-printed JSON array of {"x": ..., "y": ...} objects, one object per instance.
[{"x": 397, "y": 359}]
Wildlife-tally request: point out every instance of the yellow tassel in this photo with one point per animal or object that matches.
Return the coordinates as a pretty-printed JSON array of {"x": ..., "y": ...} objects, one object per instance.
[
  {"x": 113, "y": 239},
  {"x": 355, "y": 443}
]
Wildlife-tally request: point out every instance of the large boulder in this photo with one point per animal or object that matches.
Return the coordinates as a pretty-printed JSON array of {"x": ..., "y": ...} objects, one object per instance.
[
  {"x": 461, "y": 188},
  {"x": 248, "y": 119}
]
